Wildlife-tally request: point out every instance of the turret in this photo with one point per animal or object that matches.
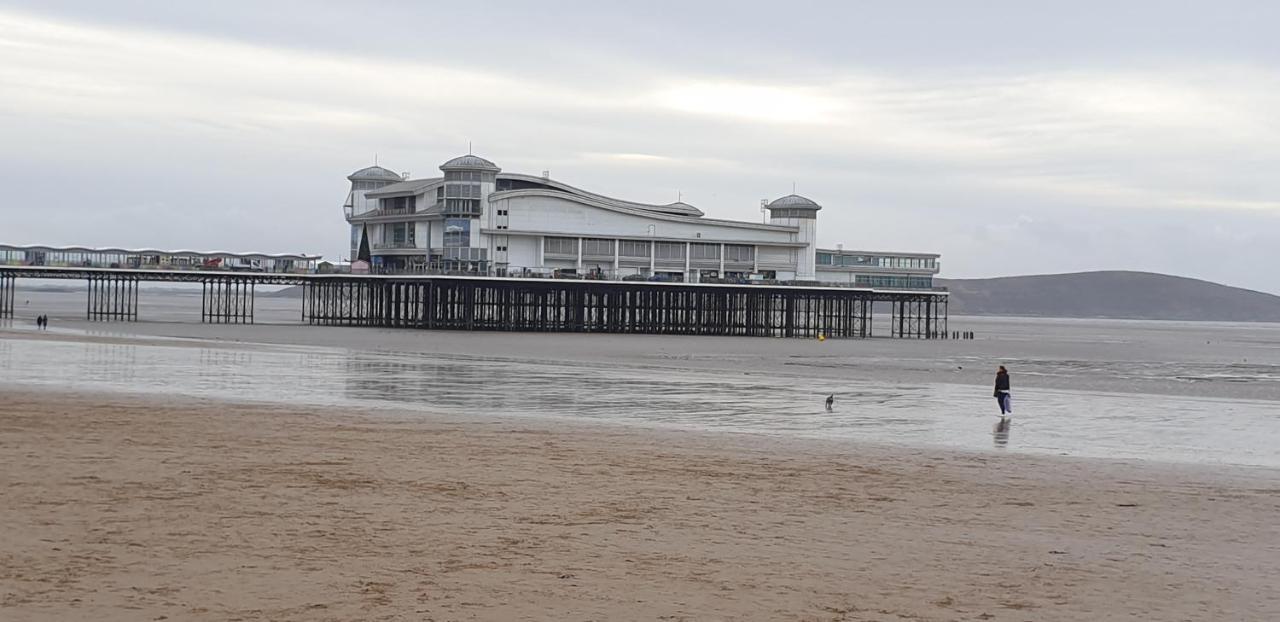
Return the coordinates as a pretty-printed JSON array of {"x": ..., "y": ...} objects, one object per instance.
[{"x": 794, "y": 210}]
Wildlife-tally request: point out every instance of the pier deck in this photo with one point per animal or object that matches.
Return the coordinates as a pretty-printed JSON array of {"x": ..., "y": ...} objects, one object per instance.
[{"x": 522, "y": 304}]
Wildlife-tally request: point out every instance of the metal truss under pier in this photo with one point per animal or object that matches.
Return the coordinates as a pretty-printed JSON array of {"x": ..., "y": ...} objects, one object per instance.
[
  {"x": 112, "y": 297},
  {"x": 227, "y": 299},
  {"x": 539, "y": 305},
  {"x": 516, "y": 304},
  {"x": 7, "y": 294}
]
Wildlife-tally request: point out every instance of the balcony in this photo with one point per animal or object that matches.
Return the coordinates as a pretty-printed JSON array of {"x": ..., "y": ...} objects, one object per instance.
[
  {"x": 393, "y": 246},
  {"x": 381, "y": 213}
]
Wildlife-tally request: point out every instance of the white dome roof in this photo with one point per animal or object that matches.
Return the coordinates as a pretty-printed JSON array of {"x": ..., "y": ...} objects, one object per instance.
[
  {"x": 375, "y": 173},
  {"x": 794, "y": 201},
  {"x": 471, "y": 162}
]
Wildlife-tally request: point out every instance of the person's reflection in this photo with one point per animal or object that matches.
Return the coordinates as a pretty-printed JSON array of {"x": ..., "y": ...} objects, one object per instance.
[{"x": 1001, "y": 433}]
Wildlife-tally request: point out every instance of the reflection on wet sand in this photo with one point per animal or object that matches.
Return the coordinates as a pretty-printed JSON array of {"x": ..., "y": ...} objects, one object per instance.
[
  {"x": 1155, "y": 426},
  {"x": 1001, "y": 433}
]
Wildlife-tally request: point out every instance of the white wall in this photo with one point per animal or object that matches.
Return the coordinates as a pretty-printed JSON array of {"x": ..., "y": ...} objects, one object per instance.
[
  {"x": 562, "y": 216},
  {"x": 522, "y": 251},
  {"x": 806, "y": 258},
  {"x": 422, "y": 234},
  {"x": 361, "y": 204},
  {"x": 833, "y": 276}
]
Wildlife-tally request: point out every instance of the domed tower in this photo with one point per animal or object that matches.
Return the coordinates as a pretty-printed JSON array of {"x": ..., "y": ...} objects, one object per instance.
[
  {"x": 468, "y": 182},
  {"x": 364, "y": 181},
  {"x": 794, "y": 210}
]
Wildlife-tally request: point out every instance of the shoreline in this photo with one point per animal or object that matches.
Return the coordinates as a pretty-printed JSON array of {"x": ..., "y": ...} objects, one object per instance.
[
  {"x": 395, "y": 414},
  {"x": 126, "y": 508},
  {"x": 1067, "y": 365}
]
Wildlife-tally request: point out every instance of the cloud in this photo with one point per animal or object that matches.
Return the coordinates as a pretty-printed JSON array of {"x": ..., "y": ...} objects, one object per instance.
[{"x": 200, "y": 125}]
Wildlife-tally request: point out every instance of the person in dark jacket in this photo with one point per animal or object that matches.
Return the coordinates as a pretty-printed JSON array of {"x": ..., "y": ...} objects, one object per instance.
[{"x": 1002, "y": 392}]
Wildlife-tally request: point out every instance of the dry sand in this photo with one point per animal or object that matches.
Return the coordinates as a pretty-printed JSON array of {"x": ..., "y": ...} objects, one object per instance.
[{"x": 127, "y": 508}]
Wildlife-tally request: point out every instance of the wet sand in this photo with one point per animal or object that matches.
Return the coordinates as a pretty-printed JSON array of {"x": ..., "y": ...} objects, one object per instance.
[
  {"x": 1194, "y": 359},
  {"x": 129, "y": 508}
]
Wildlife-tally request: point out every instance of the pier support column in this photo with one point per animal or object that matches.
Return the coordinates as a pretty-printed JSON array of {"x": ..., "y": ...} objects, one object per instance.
[
  {"x": 8, "y": 293},
  {"x": 112, "y": 297},
  {"x": 227, "y": 300}
]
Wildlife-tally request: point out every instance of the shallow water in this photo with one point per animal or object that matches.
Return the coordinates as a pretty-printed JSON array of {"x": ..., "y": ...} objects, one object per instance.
[{"x": 1129, "y": 426}]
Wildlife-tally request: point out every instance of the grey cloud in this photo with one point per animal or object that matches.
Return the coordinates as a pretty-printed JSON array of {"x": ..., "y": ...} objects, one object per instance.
[{"x": 1012, "y": 139}]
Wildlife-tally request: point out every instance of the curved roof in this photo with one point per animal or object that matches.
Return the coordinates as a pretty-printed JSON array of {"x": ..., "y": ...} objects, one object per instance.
[
  {"x": 375, "y": 173},
  {"x": 794, "y": 201},
  {"x": 469, "y": 161},
  {"x": 408, "y": 186},
  {"x": 675, "y": 209},
  {"x": 635, "y": 209}
]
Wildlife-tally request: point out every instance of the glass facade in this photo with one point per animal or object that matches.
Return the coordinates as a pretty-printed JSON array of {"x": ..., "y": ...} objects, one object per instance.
[
  {"x": 704, "y": 252},
  {"x": 633, "y": 248},
  {"x": 560, "y": 246},
  {"x": 457, "y": 232},
  {"x": 669, "y": 251},
  {"x": 876, "y": 261},
  {"x": 740, "y": 253},
  {"x": 894, "y": 282},
  {"x": 597, "y": 248}
]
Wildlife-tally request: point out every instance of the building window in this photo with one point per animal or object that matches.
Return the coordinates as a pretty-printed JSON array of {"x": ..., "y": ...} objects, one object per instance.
[
  {"x": 560, "y": 246},
  {"x": 739, "y": 253},
  {"x": 469, "y": 207},
  {"x": 704, "y": 252},
  {"x": 398, "y": 204},
  {"x": 462, "y": 191},
  {"x": 457, "y": 232},
  {"x": 597, "y": 248},
  {"x": 668, "y": 251},
  {"x": 633, "y": 248},
  {"x": 824, "y": 259}
]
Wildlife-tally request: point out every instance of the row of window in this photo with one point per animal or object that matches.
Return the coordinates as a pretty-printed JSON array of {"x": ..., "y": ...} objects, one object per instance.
[
  {"x": 480, "y": 176},
  {"x": 462, "y": 206},
  {"x": 396, "y": 203},
  {"x": 793, "y": 213},
  {"x": 369, "y": 185},
  {"x": 399, "y": 234},
  {"x": 462, "y": 191},
  {"x": 593, "y": 247},
  {"x": 457, "y": 232},
  {"x": 894, "y": 282},
  {"x": 466, "y": 254},
  {"x": 133, "y": 260},
  {"x": 831, "y": 259}
]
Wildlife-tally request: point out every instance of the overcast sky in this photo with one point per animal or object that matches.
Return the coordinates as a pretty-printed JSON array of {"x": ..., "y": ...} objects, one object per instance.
[{"x": 1013, "y": 139}]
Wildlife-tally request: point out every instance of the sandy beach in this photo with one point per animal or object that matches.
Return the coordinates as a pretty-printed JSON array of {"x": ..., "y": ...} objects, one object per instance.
[{"x": 145, "y": 508}]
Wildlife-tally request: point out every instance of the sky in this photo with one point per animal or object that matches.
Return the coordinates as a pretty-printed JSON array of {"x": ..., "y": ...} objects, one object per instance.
[{"x": 1011, "y": 137}]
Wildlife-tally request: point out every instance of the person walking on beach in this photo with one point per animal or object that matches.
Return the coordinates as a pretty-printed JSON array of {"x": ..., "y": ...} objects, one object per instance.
[{"x": 1002, "y": 392}]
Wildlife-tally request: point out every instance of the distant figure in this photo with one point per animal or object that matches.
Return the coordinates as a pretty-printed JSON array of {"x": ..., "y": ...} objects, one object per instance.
[
  {"x": 1002, "y": 392},
  {"x": 831, "y": 401},
  {"x": 40, "y": 322}
]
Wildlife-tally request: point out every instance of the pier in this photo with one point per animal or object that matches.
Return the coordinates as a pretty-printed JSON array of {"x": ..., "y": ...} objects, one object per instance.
[{"x": 446, "y": 302}]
